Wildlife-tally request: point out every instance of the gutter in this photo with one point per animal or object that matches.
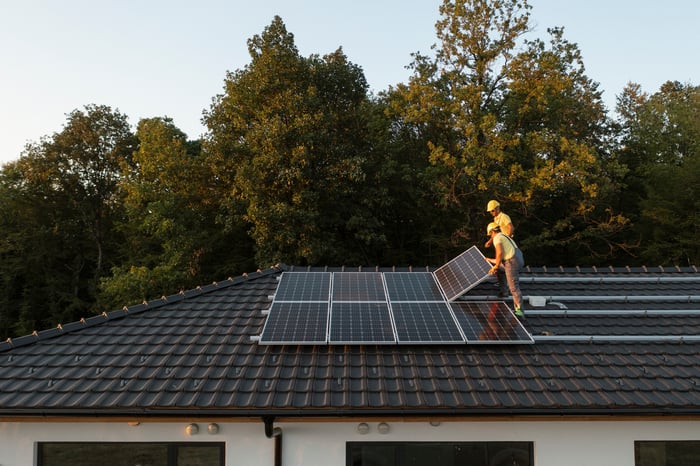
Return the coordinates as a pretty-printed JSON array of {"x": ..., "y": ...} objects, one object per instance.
[{"x": 269, "y": 416}]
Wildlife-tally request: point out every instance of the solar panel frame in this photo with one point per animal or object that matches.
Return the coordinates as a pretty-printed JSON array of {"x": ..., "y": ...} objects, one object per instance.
[
  {"x": 284, "y": 325},
  {"x": 427, "y": 322},
  {"x": 488, "y": 322},
  {"x": 462, "y": 273},
  {"x": 424, "y": 287},
  {"x": 358, "y": 286},
  {"x": 361, "y": 323},
  {"x": 304, "y": 287}
]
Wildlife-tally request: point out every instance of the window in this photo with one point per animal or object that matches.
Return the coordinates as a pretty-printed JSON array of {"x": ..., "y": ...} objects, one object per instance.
[
  {"x": 442, "y": 453},
  {"x": 671, "y": 453},
  {"x": 130, "y": 454}
]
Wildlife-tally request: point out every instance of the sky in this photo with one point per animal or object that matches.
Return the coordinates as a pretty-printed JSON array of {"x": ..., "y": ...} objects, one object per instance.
[{"x": 169, "y": 58}]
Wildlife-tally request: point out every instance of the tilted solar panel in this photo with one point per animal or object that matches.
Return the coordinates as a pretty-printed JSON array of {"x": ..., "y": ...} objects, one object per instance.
[
  {"x": 360, "y": 323},
  {"x": 489, "y": 322},
  {"x": 462, "y": 273}
]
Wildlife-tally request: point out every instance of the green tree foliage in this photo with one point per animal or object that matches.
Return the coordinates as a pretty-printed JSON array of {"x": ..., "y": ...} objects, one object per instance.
[
  {"x": 172, "y": 241},
  {"x": 290, "y": 135},
  {"x": 661, "y": 145},
  {"x": 559, "y": 165},
  {"x": 515, "y": 120},
  {"x": 59, "y": 203},
  {"x": 302, "y": 165}
]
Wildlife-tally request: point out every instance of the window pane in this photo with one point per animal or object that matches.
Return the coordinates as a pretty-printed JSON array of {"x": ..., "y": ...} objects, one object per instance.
[
  {"x": 190, "y": 455},
  {"x": 509, "y": 454},
  {"x": 471, "y": 454},
  {"x": 672, "y": 453},
  {"x": 103, "y": 454},
  {"x": 440, "y": 454},
  {"x": 426, "y": 454},
  {"x": 372, "y": 455}
]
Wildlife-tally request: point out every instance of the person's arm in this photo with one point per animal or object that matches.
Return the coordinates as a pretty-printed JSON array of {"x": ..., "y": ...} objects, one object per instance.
[
  {"x": 499, "y": 257},
  {"x": 508, "y": 229}
]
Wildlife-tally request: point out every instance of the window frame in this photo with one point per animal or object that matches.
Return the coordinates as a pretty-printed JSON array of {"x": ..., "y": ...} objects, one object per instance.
[
  {"x": 171, "y": 448},
  {"x": 639, "y": 445},
  {"x": 397, "y": 444}
]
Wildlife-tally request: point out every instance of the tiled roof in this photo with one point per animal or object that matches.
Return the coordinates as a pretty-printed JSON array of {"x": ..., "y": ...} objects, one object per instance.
[{"x": 607, "y": 341}]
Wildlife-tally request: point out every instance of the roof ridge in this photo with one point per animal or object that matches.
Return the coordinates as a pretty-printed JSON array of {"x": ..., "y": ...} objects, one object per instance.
[{"x": 105, "y": 316}]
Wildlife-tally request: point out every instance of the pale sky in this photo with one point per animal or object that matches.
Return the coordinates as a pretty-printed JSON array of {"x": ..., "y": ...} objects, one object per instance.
[{"x": 150, "y": 58}]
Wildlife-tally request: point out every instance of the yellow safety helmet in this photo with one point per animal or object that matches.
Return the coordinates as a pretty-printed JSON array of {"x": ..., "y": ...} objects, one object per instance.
[
  {"x": 492, "y": 205},
  {"x": 492, "y": 226}
]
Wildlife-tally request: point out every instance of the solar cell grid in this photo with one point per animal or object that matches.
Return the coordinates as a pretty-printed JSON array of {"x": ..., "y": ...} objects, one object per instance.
[
  {"x": 425, "y": 322},
  {"x": 358, "y": 286},
  {"x": 353, "y": 322},
  {"x": 462, "y": 273},
  {"x": 304, "y": 286},
  {"x": 298, "y": 323},
  {"x": 412, "y": 286},
  {"x": 489, "y": 322}
]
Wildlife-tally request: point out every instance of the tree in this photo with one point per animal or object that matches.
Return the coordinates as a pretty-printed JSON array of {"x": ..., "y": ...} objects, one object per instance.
[
  {"x": 661, "y": 146},
  {"x": 289, "y": 136},
  {"x": 60, "y": 201},
  {"x": 515, "y": 120},
  {"x": 172, "y": 241}
]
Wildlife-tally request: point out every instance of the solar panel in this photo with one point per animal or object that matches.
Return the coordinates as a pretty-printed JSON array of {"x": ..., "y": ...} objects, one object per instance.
[
  {"x": 358, "y": 286},
  {"x": 297, "y": 323},
  {"x": 489, "y": 322},
  {"x": 388, "y": 308},
  {"x": 425, "y": 322},
  {"x": 304, "y": 286},
  {"x": 355, "y": 322},
  {"x": 462, "y": 273},
  {"x": 412, "y": 286}
]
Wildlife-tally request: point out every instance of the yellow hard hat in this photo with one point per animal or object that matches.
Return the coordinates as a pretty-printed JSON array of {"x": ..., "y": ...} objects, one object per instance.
[
  {"x": 492, "y": 226},
  {"x": 492, "y": 205}
]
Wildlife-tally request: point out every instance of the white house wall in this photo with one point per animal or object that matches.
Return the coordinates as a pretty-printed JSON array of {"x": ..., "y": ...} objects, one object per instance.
[{"x": 570, "y": 443}]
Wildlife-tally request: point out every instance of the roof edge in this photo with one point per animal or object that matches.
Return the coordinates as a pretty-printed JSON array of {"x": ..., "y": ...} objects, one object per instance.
[{"x": 70, "y": 327}]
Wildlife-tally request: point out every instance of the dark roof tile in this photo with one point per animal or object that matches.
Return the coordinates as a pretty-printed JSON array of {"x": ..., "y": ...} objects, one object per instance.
[{"x": 193, "y": 351}]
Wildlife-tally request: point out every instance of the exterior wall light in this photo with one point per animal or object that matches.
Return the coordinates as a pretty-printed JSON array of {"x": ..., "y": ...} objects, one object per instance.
[
  {"x": 362, "y": 428},
  {"x": 192, "y": 429},
  {"x": 213, "y": 428},
  {"x": 383, "y": 428}
]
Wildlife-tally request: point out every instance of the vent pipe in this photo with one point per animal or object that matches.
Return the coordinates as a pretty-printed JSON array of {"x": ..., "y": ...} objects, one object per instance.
[{"x": 274, "y": 433}]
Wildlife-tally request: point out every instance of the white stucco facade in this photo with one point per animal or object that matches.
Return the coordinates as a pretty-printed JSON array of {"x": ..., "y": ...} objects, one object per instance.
[{"x": 309, "y": 443}]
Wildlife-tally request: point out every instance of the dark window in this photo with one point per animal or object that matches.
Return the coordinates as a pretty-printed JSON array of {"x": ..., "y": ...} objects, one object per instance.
[
  {"x": 671, "y": 453},
  {"x": 439, "y": 453},
  {"x": 130, "y": 454}
]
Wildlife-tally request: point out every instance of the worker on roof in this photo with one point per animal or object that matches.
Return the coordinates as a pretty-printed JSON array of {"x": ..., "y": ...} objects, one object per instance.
[
  {"x": 506, "y": 264},
  {"x": 500, "y": 218}
]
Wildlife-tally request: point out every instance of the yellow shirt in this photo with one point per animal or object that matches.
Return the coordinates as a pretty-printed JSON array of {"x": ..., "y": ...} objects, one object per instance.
[{"x": 503, "y": 220}]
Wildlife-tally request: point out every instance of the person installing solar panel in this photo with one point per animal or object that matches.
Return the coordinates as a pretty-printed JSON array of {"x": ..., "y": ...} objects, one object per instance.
[
  {"x": 501, "y": 218},
  {"x": 506, "y": 264}
]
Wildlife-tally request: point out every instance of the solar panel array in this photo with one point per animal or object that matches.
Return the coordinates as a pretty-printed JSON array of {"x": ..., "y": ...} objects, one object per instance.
[{"x": 389, "y": 308}]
